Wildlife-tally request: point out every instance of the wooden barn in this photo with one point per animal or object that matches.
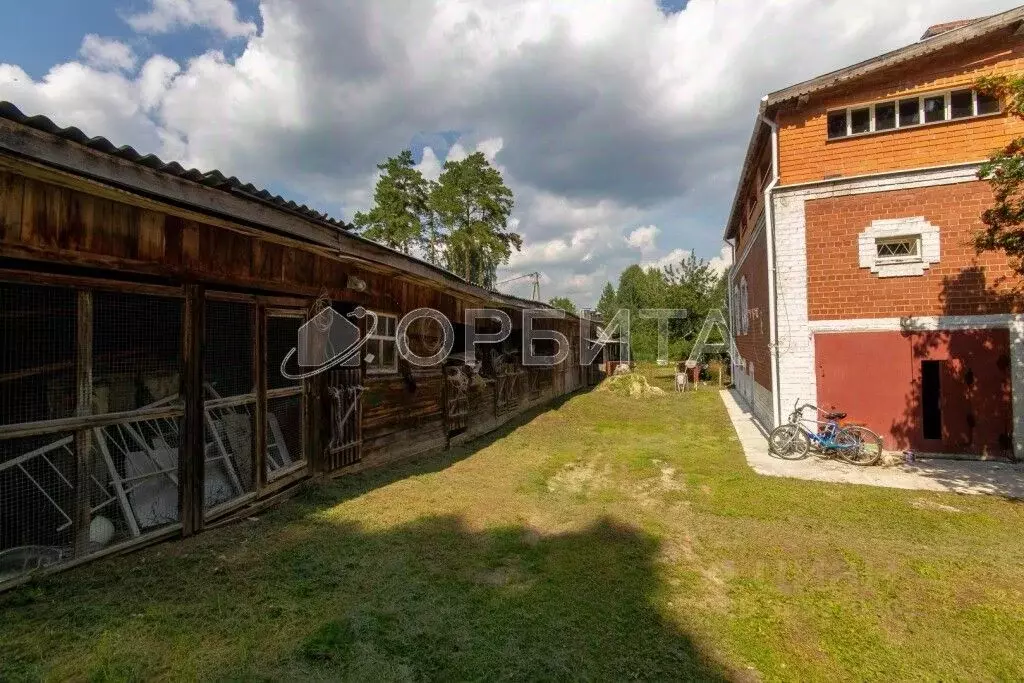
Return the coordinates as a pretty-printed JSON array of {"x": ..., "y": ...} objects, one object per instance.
[{"x": 144, "y": 313}]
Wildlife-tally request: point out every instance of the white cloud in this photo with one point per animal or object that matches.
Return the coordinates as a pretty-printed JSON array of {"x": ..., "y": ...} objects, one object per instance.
[
  {"x": 722, "y": 261},
  {"x": 601, "y": 116},
  {"x": 643, "y": 238},
  {"x": 672, "y": 258},
  {"x": 165, "y": 16},
  {"x": 430, "y": 165},
  {"x": 106, "y": 53}
]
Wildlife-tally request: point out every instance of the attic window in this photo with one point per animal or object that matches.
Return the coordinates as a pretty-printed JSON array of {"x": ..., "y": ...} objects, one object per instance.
[{"x": 929, "y": 108}]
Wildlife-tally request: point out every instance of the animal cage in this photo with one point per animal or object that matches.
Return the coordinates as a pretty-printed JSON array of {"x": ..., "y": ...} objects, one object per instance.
[{"x": 92, "y": 415}]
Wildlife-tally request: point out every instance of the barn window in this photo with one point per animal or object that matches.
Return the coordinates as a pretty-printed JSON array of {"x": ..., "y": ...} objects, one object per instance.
[{"x": 383, "y": 346}]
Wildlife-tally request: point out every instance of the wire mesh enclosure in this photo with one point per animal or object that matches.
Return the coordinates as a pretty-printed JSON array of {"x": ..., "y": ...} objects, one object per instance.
[
  {"x": 229, "y": 401},
  {"x": 136, "y": 350},
  {"x": 284, "y": 404},
  {"x": 89, "y": 421},
  {"x": 37, "y": 353}
]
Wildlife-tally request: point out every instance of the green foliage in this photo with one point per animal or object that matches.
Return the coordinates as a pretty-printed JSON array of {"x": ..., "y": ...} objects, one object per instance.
[
  {"x": 473, "y": 205},
  {"x": 564, "y": 303},
  {"x": 1004, "y": 170},
  {"x": 691, "y": 285},
  {"x": 400, "y": 204},
  {"x": 461, "y": 220}
]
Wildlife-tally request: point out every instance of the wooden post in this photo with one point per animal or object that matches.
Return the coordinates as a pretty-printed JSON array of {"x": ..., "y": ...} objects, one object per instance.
[
  {"x": 259, "y": 357},
  {"x": 191, "y": 457},
  {"x": 83, "y": 437}
]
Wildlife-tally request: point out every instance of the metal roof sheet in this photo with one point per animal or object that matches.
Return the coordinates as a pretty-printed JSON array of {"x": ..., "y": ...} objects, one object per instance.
[{"x": 214, "y": 178}]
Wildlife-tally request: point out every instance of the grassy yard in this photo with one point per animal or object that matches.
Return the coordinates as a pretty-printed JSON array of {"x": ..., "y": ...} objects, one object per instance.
[{"x": 607, "y": 538}]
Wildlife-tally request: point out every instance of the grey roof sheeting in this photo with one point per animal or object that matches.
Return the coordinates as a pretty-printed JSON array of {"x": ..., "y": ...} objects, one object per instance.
[
  {"x": 967, "y": 31},
  {"x": 214, "y": 178}
]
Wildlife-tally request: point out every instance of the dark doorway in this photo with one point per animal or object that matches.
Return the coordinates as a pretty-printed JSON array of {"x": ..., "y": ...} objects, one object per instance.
[{"x": 931, "y": 406}]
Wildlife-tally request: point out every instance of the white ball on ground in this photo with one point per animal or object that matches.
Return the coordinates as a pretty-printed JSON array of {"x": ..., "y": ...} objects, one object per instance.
[{"x": 101, "y": 530}]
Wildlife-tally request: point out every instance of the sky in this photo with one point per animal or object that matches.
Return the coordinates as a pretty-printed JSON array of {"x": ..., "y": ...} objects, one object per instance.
[{"x": 620, "y": 125}]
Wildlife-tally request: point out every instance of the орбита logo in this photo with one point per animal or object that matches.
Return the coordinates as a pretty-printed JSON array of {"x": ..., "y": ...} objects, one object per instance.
[{"x": 329, "y": 339}]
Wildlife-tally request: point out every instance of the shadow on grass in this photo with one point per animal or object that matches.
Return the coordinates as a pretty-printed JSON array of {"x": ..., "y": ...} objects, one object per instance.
[
  {"x": 428, "y": 600},
  {"x": 308, "y": 593}
]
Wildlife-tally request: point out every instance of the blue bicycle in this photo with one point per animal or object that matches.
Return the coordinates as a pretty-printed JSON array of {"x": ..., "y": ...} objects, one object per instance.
[{"x": 855, "y": 444}]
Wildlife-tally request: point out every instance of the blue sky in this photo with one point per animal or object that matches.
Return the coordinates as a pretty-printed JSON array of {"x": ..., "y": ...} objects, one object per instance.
[{"x": 38, "y": 34}]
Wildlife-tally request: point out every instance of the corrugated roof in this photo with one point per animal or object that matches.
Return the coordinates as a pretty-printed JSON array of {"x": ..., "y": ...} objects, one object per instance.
[{"x": 214, "y": 179}]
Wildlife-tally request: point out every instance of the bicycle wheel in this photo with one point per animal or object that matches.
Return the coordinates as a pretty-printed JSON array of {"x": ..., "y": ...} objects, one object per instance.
[
  {"x": 858, "y": 445},
  {"x": 788, "y": 441}
]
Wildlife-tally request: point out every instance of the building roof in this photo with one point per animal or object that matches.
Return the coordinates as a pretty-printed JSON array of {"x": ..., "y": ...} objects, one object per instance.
[
  {"x": 40, "y": 140},
  {"x": 937, "y": 29},
  {"x": 214, "y": 178},
  {"x": 945, "y": 36}
]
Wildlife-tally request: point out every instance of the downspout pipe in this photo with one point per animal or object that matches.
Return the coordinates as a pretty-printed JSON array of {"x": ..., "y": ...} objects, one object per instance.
[
  {"x": 773, "y": 307},
  {"x": 732, "y": 312}
]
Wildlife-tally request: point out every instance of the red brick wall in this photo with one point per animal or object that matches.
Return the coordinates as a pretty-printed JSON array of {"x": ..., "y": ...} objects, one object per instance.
[
  {"x": 806, "y": 154},
  {"x": 962, "y": 283},
  {"x": 753, "y": 346}
]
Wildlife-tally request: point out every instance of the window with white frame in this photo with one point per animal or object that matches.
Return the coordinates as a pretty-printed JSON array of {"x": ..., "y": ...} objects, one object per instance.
[
  {"x": 899, "y": 247},
  {"x": 744, "y": 306},
  {"x": 909, "y": 112},
  {"x": 382, "y": 345},
  {"x": 735, "y": 318}
]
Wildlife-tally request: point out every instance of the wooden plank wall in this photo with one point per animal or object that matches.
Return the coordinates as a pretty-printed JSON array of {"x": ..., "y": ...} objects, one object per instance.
[{"x": 44, "y": 222}]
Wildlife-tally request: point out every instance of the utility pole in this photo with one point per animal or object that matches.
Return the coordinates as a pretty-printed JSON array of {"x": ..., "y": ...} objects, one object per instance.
[{"x": 536, "y": 283}]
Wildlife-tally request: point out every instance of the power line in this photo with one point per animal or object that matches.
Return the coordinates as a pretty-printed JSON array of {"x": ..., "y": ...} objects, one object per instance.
[{"x": 536, "y": 283}]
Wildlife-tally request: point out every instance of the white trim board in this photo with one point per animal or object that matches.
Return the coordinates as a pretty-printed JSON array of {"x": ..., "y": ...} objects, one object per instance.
[
  {"x": 969, "y": 169},
  {"x": 918, "y": 323}
]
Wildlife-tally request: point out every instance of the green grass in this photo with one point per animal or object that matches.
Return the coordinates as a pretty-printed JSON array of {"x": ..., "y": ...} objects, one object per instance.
[{"x": 607, "y": 538}]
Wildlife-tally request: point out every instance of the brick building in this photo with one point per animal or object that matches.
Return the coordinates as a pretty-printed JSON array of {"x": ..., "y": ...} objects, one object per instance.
[{"x": 856, "y": 285}]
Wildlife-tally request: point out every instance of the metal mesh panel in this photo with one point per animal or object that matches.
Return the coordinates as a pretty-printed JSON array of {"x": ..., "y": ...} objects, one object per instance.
[
  {"x": 136, "y": 351},
  {"x": 136, "y": 465},
  {"x": 284, "y": 434},
  {"x": 37, "y": 353},
  {"x": 282, "y": 337},
  {"x": 36, "y": 502},
  {"x": 230, "y": 401}
]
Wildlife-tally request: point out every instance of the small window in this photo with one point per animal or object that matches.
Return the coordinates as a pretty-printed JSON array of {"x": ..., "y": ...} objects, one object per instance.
[
  {"x": 885, "y": 116},
  {"x": 898, "y": 248},
  {"x": 860, "y": 120},
  {"x": 961, "y": 104},
  {"x": 934, "y": 109},
  {"x": 382, "y": 345},
  {"x": 910, "y": 112},
  {"x": 837, "y": 124},
  {"x": 987, "y": 104}
]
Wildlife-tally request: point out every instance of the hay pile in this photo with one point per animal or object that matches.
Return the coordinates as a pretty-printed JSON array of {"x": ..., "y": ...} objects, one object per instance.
[{"x": 633, "y": 385}]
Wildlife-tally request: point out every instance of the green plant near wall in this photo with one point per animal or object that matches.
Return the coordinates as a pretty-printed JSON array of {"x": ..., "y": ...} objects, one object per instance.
[{"x": 1004, "y": 171}]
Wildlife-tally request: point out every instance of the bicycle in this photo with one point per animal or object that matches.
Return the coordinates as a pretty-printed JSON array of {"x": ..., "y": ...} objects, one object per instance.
[{"x": 855, "y": 444}]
